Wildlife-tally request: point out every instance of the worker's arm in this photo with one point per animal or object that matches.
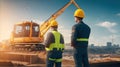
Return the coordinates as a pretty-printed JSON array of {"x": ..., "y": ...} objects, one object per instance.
[
  {"x": 74, "y": 35},
  {"x": 49, "y": 39}
]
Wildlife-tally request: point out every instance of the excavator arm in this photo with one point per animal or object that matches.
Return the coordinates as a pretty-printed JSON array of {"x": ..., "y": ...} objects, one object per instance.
[{"x": 46, "y": 25}]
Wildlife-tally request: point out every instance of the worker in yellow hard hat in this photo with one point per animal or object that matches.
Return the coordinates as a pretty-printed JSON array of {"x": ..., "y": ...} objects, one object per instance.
[
  {"x": 54, "y": 44},
  {"x": 79, "y": 39},
  {"x": 54, "y": 23}
]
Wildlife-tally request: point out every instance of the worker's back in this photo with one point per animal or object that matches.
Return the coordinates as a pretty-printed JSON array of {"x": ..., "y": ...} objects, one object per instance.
[
  {"x": 54, "y": 46},
  {"x": 51, "y": 39},
  {"x": 82, "y": 31}
]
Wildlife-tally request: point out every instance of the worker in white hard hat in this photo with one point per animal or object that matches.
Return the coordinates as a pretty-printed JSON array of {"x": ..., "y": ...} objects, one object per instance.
[
  {"x": 79, "y": 39},
  {"x": 54, "y": 44}
]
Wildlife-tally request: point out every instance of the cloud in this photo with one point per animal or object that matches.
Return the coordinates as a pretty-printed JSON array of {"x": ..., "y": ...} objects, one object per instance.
[
  {"x": 118, "y": 14},
  {"x": 108, "y": 25}
]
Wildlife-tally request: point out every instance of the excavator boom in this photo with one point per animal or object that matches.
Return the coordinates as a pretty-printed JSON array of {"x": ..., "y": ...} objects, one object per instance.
[{"x": 46, "y": 25}]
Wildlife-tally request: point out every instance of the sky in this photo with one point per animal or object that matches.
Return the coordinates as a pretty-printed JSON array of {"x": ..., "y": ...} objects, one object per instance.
[{"x": 103, "y": 17}]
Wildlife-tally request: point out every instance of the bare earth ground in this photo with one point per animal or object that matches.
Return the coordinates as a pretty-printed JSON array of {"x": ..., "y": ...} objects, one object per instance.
[
  {"x": 100, "y": 62},
  {"x": 66, "y": 63}
]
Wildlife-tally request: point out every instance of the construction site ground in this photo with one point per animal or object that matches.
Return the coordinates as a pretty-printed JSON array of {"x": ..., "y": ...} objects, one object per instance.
[{"x": 38, "y": 59}]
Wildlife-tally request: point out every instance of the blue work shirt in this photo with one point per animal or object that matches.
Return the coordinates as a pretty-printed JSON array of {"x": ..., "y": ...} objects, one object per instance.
[{"x": 80, "y": 30}]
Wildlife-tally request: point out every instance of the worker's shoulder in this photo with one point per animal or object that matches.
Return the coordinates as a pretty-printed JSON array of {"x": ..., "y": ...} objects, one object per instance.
[
  {"x": 85, "y": 25},
  {"x": 50, "y": 33},
  {"x": 82, "y": 24},
  {"x": 61, "y": 34},
  {"x": 75, "y": 25}
]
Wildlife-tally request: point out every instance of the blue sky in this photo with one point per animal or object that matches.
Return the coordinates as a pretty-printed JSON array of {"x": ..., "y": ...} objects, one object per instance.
[{"x": 103, "y": 16}]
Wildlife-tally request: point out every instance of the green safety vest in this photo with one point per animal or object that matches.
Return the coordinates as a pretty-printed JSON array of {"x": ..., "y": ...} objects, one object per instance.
[
  {"x": 57, "y": 43},
  {"x": 82, "y": 39}
]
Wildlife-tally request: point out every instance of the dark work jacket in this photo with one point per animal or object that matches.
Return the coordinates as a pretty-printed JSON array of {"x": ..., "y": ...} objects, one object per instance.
[
  {"x": 51, "y": 39},
  {"x": 80, "y": 30}
]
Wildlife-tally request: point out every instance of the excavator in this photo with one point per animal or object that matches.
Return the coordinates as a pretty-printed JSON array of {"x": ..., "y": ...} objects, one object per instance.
[{"x": 29, "y": 35}]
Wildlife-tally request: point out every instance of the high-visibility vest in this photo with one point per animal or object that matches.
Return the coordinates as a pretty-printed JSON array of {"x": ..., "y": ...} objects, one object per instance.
[
  {"x": 57, "y": 43},
  {"x": 82, "y": 39}
]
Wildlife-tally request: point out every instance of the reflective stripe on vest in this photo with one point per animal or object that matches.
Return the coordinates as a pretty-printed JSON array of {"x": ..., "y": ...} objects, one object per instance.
[
  {"x": 57, "y": 43},
  {"x": 56, "y": 60},
  {"x": 82, "y": 39}
]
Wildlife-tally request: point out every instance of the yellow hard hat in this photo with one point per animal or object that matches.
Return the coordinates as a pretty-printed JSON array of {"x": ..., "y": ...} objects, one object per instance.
[
  {"x": 79, "y": 13},
  {"x": 54, "y": 23}
]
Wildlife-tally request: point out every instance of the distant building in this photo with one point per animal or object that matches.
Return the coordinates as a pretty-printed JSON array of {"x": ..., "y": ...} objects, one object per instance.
[
  {"x": 109, "y": 44},
  {"x": 118, "y": 45},
  {"x": 115, "y": 45},
  {"x": 92, "y": 45}
]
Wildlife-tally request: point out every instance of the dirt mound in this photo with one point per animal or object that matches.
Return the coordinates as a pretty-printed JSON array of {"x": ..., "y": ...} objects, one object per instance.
[
  {"x": 6, "y": 64},
  {"x": 42, "y": 56}
]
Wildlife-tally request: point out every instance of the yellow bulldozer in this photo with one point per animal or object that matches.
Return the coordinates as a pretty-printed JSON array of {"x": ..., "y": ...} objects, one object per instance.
[{"x": 29, "y": 35}]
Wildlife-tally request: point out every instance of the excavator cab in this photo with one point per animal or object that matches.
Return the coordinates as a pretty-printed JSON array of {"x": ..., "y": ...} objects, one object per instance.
[
  {"x": 26, "y": 29},
  {"x": 26, "y": 35}
]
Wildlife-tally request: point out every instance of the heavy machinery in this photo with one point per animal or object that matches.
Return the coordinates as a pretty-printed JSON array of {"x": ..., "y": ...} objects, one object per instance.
[{"x": 30, "y": 35}]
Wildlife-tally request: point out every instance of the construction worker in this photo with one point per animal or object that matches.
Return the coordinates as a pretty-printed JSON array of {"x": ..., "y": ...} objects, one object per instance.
[
  {"x": 54, "y": 44},
  {"x": 79, "y": 40}
]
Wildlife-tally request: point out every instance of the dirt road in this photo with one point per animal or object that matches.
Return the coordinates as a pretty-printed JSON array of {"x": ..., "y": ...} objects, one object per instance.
[{"x": 65, "y": 64}]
